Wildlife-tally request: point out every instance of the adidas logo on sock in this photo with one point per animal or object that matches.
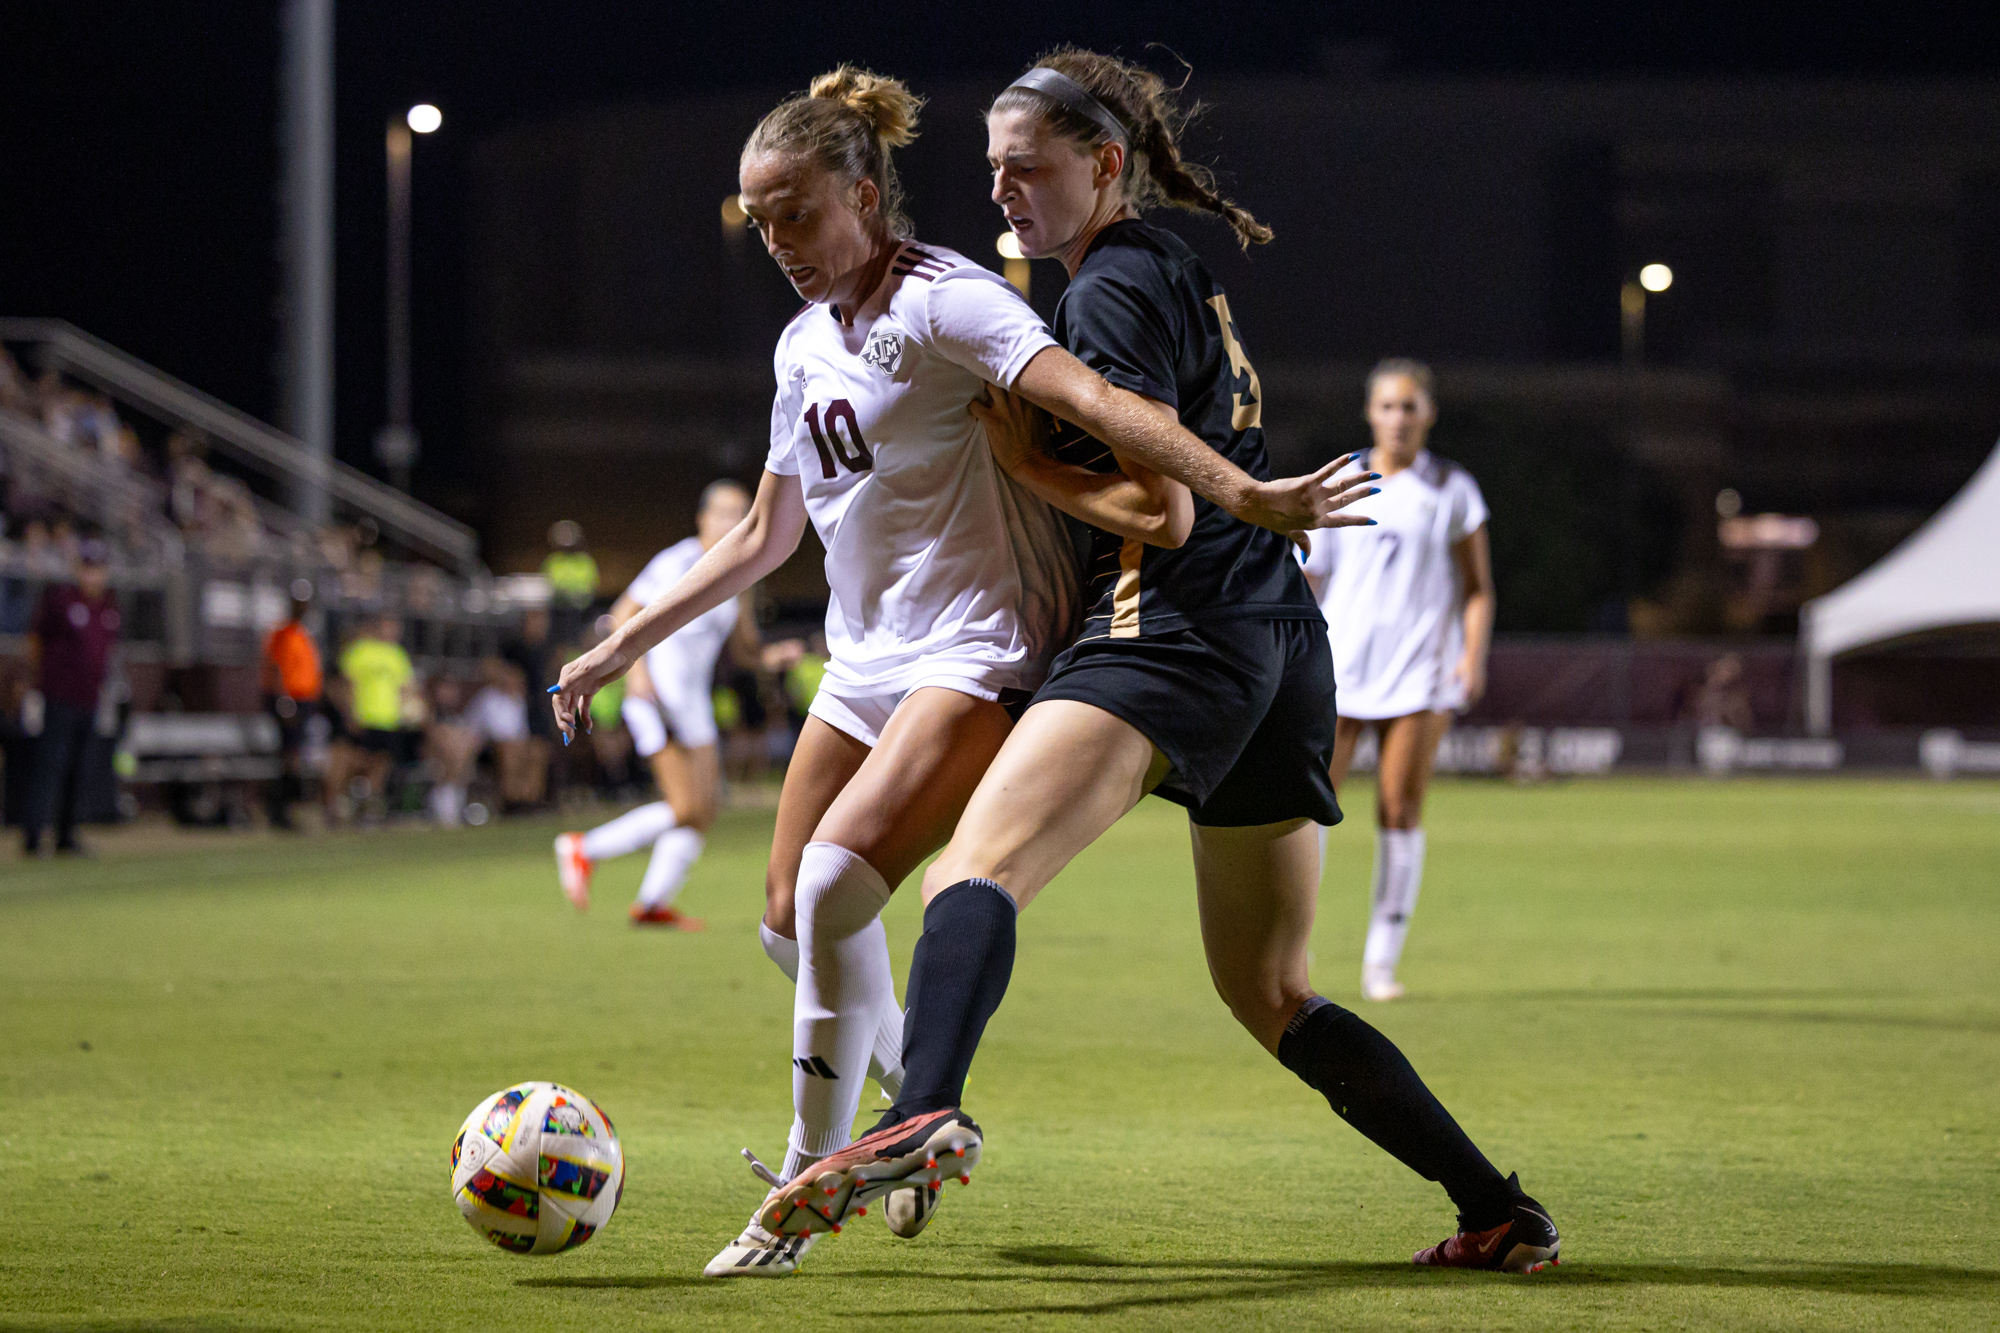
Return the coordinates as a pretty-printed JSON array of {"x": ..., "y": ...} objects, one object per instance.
[{"x": 815, "y": 1067}]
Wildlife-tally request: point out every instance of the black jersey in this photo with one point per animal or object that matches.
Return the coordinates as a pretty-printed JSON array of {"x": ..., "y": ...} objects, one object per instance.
[{"x": 1143, "y": 312}]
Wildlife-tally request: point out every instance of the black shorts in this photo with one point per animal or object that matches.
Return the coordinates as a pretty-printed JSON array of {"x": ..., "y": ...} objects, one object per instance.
[{"x": 1243, "y": 710}]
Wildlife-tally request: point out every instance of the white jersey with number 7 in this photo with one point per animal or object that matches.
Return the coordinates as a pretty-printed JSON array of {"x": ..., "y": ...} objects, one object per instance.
[{"x": 1391, "y": 593}]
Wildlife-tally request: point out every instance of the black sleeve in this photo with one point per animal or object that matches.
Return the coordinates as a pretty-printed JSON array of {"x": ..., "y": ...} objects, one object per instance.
[{"x": 1120, "y": 323}]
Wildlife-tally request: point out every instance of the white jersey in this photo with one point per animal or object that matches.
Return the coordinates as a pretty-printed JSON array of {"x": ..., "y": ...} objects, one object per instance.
[
  {"x": 935, "y": 558},
  {"x": 1391, "y": 593},
  {"x": 683, "y": 662}
]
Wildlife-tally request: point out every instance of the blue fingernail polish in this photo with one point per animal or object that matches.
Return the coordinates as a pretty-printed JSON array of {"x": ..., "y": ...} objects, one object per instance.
[
  {"x": 553, "y": 689},
  {"x": 1370, "y": 523},
  {"x": 566, "y": 738},
  {"x": 1374, "y": 490},
  {"x": 1374, "y": 476}
]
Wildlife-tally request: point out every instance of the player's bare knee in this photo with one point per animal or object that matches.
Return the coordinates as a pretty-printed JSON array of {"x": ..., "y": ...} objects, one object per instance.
[{"x": 1397, "y": 812}]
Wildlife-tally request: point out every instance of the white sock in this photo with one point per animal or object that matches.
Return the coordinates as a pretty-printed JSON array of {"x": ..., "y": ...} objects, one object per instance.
[
  {"x": 629, "y": 832},
  {"x": 783, "y": 952},
  {"x": 885, "y": 1061},
  {"x": 674, "y": 855},
  {"x": 796, "y": 1158},
  {"x": 1399, "y": 873},
  {"x": 447, "y": 803},
  {"x": 844, "y": 985}
]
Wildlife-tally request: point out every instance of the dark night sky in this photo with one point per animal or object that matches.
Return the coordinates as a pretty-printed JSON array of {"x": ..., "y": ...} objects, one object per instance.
[{"x": 139, "y": 157}]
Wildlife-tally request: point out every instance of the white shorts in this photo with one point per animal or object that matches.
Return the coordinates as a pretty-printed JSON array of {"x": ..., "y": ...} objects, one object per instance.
[
  {"x": 864, "y": 717},
  {"x": 685, "y": 717}
]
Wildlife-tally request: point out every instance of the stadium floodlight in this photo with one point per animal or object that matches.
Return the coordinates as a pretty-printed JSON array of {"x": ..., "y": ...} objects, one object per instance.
[
  {"x": 1656, "y": 277},
  {"x": 732, "y": 211},
  {"x": 1009, "y": 246},
  {"x": 424, "y": 118}
]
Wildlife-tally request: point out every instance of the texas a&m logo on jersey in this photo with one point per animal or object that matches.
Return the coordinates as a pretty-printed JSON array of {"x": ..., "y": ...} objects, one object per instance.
[{"x": 884, "y": 351}]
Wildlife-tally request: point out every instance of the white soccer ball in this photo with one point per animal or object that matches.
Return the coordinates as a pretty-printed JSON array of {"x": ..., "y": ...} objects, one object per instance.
[{"x": 536, "y": 1168}]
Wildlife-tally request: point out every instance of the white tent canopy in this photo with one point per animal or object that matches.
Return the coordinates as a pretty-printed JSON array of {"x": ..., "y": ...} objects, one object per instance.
[{"x": 1947, "y": 574}]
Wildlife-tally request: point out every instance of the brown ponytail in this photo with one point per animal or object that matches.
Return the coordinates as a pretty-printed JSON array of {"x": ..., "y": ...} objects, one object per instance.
[
  {"x": 1155, "y": 172},
  {"x": 847, "y": 123}
]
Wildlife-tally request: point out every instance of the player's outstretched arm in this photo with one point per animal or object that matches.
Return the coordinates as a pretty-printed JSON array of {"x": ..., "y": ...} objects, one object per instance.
[
  {"x": 1143, "y": 506},
  {"x": 765, "y": 539},
  {"x": 1058, "y": 382}
]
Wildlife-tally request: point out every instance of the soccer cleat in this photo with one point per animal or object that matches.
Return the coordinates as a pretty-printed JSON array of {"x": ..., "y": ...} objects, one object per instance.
[
  {"x": 573, "y": 869},
  {"x": 922, "y": 1151},
  {"x": 1525, "y": 1243},
  {"x": 908, "y": 1211},
  {"x": 758, "y": 1253},
  {"x": 671, "y": 917},
  {"x": 1379, "y": 983}
]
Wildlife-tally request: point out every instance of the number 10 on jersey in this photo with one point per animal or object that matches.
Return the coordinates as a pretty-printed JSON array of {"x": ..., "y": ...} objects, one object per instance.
[{"x": 851, "y": 451}]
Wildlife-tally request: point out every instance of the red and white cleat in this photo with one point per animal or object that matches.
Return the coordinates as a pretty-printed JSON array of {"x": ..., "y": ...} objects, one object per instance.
[
  {"x": 1525, "y": 1243},
  {"x": 670, "y": 917},
  {"x": 922, "y": 1152},
  {"x": 573, "y": 869}
]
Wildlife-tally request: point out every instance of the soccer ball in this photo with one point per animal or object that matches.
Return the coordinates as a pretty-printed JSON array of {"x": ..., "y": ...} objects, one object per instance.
[{"x": 536, "y": 1168}]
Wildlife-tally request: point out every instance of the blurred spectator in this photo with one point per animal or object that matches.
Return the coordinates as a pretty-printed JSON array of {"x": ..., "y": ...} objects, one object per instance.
[
  {"x": 1724, "y": 697},
  {"x": 452, "y": 742},
  {"x": 530, "y": 649},
  {"x": 379, "y": 698},
  {"x": 292, "y": 679},
  {"x": 17, "y": 391},
  {"x": 74, "y": 634},
  {"x": 217, "y": 513},
  {"x": 572, "y": 576},
  {"x": 500, "y": 713}
]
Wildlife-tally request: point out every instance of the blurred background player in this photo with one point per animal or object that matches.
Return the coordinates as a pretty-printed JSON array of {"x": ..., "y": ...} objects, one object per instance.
[
  {"x": 292, "y": 679},
  {"x": 669, "y": 710},
  {"x": 1409, "y": 610},
  {"x": 75, "y": 631},
  {"x": 571, "y": 572},
  {"x": 378, "y": 698}
]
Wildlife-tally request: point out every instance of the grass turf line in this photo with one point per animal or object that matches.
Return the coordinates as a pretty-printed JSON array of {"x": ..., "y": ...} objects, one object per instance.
[{"x": 1742, "y": 1038}]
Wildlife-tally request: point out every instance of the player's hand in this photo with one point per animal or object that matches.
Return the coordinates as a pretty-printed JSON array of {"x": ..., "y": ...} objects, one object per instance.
[
  {"x": 1298, "y": 504},
  {"x": 1471, "y": 673},
  {"x": 570, "y": 695},
  {"x": 1016, "y": 430}
]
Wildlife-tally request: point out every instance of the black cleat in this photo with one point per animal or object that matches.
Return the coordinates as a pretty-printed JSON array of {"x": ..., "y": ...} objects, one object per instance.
[{"x": 1525, "y": 1243}]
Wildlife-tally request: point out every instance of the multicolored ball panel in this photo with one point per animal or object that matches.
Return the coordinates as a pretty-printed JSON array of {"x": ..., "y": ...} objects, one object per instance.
[{"x": 537, "y": 1169}]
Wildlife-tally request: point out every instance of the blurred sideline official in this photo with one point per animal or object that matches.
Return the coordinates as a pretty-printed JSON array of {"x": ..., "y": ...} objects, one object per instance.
[
  {"x": 76, "y": 629},
  {"x": 292, "y": 679}
]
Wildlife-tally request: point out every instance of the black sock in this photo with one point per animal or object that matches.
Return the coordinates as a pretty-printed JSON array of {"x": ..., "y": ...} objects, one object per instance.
[
  {"x": 957, "y": 977},
  {"x": 1372, "y": 1087}
]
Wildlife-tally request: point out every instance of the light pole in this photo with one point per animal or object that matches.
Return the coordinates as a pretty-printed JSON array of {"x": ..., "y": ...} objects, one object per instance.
[
  {"x": 396, "y": 442},
  {"x": 1654, "y": 278}
]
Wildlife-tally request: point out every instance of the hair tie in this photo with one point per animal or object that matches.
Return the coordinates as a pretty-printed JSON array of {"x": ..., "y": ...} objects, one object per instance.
[{"x": 1061, "y": 89}]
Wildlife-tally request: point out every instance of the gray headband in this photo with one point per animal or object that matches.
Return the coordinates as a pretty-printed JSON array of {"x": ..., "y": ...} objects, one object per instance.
[{"x": 1066, "y": 92}]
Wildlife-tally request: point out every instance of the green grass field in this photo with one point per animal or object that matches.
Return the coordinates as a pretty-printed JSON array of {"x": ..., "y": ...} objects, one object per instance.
[{"x": 1742, "y": 1038}]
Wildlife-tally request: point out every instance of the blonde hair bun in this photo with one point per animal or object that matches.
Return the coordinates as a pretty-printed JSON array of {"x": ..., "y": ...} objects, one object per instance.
[{"x": 886, "y": 104}]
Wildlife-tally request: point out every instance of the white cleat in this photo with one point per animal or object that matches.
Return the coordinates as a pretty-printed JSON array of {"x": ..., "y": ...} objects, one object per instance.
[
  {"x": 908, "y": 1211},
  {"x": 1379, "y": 983},
  {"x": 573, "y": 869},
  {"x": 758, "y": 1253}
]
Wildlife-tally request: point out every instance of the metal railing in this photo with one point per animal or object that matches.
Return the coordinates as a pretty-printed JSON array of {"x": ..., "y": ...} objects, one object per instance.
[{"x": 245, "y": 439}]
